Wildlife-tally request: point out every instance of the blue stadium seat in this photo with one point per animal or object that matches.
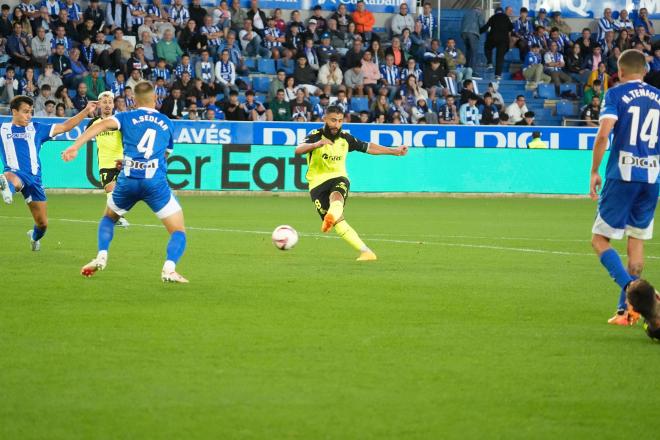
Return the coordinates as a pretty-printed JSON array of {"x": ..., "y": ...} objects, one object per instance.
[
  {"x": 566, "y": 108},
  {"x": 251, "y": 64},
  {"x": 512, "y": 55},
  {"x": 546, "y": 91},
  {"x": 219, "y": 97},
  {"x": 267, "y": 66},
  {"x": 260, "y": 98},
  {"x": 314, "y": 100},
  {"x": 109, "y": 78},
  {"x": 247, "y": 80},
  {"x": 574, "y": 35},
  {"x": 569, "y": 87},
  {"x": 359, "y": 103},
  {"x": 72, "y": 93},
  {"x": 260, "y": 84},
  {"x": 288, "y": 66}
]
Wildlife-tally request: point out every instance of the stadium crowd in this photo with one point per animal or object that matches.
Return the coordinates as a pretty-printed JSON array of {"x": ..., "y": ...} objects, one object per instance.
[{"x": 232, "y": 63}]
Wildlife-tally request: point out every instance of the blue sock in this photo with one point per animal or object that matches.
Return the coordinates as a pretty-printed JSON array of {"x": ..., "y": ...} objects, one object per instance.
[
  {"x": 612, "y": 262},
  {"x": 176, "y": 246},
  {"x": 37, "y": 233},
  {"x": 106, "y": 232},
  {"x": 623, "y": 305}
]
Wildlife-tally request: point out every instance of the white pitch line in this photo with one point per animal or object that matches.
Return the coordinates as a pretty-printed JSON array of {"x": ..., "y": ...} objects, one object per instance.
[{"x": 382, "y": 240}]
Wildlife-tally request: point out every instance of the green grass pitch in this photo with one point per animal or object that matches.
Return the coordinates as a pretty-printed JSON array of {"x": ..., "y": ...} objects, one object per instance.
[{"x": 483, "y": 318}]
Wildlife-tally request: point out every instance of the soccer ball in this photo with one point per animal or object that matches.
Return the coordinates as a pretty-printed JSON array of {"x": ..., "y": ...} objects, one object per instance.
[{"x": 284, "y": 237}]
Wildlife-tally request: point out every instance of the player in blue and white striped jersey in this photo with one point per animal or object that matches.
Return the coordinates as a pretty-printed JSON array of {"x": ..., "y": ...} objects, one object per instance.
[
  {"x": 22, "y": 140},
  {"x": 148, "y": 140},
  {"x": 629, "y": 197}
]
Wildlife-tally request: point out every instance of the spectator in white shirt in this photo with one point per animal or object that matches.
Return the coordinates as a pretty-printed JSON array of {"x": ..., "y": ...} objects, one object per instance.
[{"x": 517, "y": 109}]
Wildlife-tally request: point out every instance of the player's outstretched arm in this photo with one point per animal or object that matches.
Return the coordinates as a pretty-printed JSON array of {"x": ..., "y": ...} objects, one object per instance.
[
  {"x": 376, "y": 149},
  {"x": 107, "y": 124},
  {"x": 73, "y": 122},
  {"x": 600, "y": 145},
  {"x": 307, "y": 147}
]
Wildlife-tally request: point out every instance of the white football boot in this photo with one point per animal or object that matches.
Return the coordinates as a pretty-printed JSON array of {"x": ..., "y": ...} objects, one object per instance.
[
  {"x": 7, "y": 196},
  {"x": 93, "y": 266},
  {"x": 172, "y": 277},
  {"x": 34, "y": 244},
  {"x": 123, "y": 223}
]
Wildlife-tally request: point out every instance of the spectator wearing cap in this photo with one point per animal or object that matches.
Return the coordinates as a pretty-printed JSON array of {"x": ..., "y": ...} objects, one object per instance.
[
  {"x": 321, "y": 24},
  {"x": 456, "y": 61},
  {"x": 554, "y": 66},
  {"x": 116, "y": 15},
  {"x": 605, "y": 24},
  {"x": 371, "y": 73},
  {"x": 469, "y": 112},
  {"x": 430, "y": 23},
  {"x": 330, "y": 77},
  {"x": 402, "y": 20},
  {"x": 325, "y": 50},
  {"x": 138, "y": 61},
  {"x": 364, "y": 20},
  {"x": 644, "y": 21},
  {"x": 542, "y": 19},
  {"x": 342, "y": 17},
  {"x": 94, "y": 82},
  {"x": 251, "y": 42},
  {"x": 499, "y": 28},
  {"x": 517, "y": 109},
  {"x": 559, "y": 23},
  {"x": 533, "y": 68},
  {"x": 311, "y": 33},
  {"x": 528, "y": 119},
  {"x": 522, "y": 29}
]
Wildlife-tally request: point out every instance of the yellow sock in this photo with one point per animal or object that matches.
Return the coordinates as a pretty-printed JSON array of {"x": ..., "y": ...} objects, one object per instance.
[
  {"x": 336, "y": 209},
  {"x": 345, "y": 231}
]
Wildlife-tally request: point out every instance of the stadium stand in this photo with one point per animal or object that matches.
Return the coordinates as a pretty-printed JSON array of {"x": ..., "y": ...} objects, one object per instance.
[{"x": 166, "y": 45}]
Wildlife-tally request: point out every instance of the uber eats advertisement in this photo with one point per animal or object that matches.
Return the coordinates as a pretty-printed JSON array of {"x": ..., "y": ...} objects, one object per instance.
[{"x": 216, "y": 157}]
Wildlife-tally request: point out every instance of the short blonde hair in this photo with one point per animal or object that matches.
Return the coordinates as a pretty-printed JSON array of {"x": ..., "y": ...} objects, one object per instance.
[
  {"x": 107, "y": 94},
  {"x": 144, "y": 90},
  {"x": 632, "y": 62}
]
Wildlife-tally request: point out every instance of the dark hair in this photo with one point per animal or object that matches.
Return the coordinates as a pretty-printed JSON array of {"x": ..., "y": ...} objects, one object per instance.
[
  {"x": 504, "y": 116},
  {"x": 334, "y": 109},
  {"x": 249, "y": 92},
  {"x": 520, "y": 96},
  {"x": 467, "y": 82},
  {"x": 641, "y": 296},
  {"x": 233, "y": 93},
  {"x": 16, "y": 102},
  {"x": 50, "y": 101},
  {"x": 280, "y": 90},
  {"x": 597, "y": 82}
]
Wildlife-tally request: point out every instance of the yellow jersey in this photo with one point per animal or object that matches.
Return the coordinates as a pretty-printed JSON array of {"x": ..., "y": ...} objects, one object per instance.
[
  {"x": 109, "y": 145},
  {"x": 329, "y": 161}
]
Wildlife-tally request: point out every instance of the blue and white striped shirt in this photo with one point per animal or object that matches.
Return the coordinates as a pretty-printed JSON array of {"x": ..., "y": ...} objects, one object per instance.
[
  {"x": 429, "y": 25},
  {"x": 136, "y": 21},
  {"x": 179, "y": 15},
  {"x": 390, "y": 74},
  {"x": 416, "y": 72},
  {"x": 523, "y": 29},
  {"x": 207, "y": 30},
  {"x": 180, "y": 68},
  {"x": 21, "y": 146},
  {"x": 164, "y": 73},
  {"x": 469, "y": 115},
  {"x": 74, "y": 12},
  {"x": 118, "y": 88},
  {"x": 273, "y": 32},
  {"x": 604, "y": 25},
  {"x": 550, "y": 57},
  {"x": 53, "y": 6}
]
